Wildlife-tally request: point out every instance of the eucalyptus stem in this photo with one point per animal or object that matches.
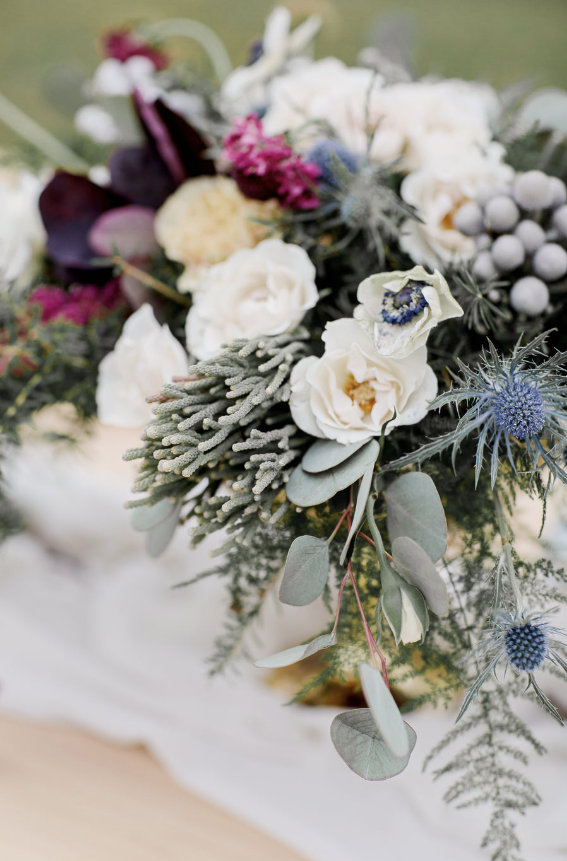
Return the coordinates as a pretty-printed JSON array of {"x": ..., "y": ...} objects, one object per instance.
[{"x": 149, "y": 281}]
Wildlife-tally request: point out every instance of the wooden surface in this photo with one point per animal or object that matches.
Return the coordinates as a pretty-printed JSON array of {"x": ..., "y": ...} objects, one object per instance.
[{"x": 66, "y": 796}]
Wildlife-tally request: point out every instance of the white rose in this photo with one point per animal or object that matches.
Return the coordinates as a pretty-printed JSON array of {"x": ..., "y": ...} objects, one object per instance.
[
  {"x": 145, "y": 357},
  {"x": 399, "y": 309},
  {"x": 408, "y": 121},
  {"x": 261, "y": 291},
  {"x": 350, "y": 392},
  {"x": 437, "y": 191},
  {"x": 21, "y": 228}
]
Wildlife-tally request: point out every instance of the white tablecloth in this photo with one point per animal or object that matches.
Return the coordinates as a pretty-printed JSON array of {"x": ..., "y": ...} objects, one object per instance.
[{"x": 91, "y": 634}]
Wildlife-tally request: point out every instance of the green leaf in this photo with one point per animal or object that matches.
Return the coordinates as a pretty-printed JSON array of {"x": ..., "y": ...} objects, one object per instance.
[
  {"x": 416, "y": 567},
  {"x": 327, "y": 453},
  {"x": 306, "y": 571},
  {"x": 414, "y": 509},
  {"x": 148, "y": 516},
  {"x": 158, "y": 538},
  {"x": 306, "y": 489},
  {"x": 384, "y": 710},
  {"x": 546, "y": 108},
  {"x": 358, "y": 743},
  {"x": 297, "y": 653},
  {"x": 360, "y": 508}
]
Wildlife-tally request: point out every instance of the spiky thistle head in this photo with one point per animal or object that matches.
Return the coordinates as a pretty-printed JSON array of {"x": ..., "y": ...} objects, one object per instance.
[
  {"x": 525, "y": 642},
  {"x": 516, "y": 404}
]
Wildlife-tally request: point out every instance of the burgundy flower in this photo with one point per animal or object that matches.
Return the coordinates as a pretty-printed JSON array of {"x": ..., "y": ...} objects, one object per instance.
[
  {"x": 122, "y": 44},
  {"x": 265, "y": 167},
  {"x": 81, "y": 304}
]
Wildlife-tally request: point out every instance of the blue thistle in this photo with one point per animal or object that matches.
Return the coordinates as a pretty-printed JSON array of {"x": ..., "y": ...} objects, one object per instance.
[
  {"x": 334, "y": 159},
  {"x": 514, "y": 404},
  {"x": 525, "y": 643}
]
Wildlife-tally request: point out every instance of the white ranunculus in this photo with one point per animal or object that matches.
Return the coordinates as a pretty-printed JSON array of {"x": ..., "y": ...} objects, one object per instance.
[
  {"x": 21, "y": 228},
  {"x": 145, "y": 357},
  {"x": 419, "y": 300},
  {"x": 265, "y": 290},
  {"x": 410, "y": 121},
  {"x": 437, "y": 191},
  {"x": 116, "y": 78},
  {"x": 351, "y": 391}
]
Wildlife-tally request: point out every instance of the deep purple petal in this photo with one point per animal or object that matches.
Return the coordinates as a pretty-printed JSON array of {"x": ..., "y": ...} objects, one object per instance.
[{"x": 139, "y": 175}]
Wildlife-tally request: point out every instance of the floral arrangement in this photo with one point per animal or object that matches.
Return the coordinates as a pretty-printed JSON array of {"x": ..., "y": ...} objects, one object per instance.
[{"x": 335, "y": 298}]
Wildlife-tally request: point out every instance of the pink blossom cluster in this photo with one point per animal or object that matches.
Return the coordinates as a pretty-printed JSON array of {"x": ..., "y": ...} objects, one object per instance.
[
  {"x": 81, "y": 304},
  {"x": 122, "y": 44},
  {"x": 265, "y": 167}
]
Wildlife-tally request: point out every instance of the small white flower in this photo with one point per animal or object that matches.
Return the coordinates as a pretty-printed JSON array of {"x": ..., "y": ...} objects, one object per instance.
[
  {"x": 412, "y": 629},
  {"x": 351, "y": 391},
  {"x": 97, "y": 123},
  {"x": 261, "y": 291},
  {"x": 116, "y": 78},
  {"x": 448, "y": 180},
  {"x": 145, "y": 357},
  {"x": 246, "y": 88},
  {"x": 21, "y": 228},
  {"x": 399, "y": 309}
]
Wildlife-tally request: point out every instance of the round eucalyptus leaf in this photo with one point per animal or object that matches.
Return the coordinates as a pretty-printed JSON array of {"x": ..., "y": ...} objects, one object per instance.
[
  {"x": 147, "y": 516},
  {"x": 328, "y": 453},
  {"x": 358, "y": 743},
  {"x": 306, "y": 571},
  {"x": 415, "y": 509},
  {"x": 384, "y": 710},
  {"x": 296, "y": 653},
  {"x": 416, "y": 568},
  {"x": 158, "y": 538},
  {"x": 546, "y": 108},
  {"x": 306, "y": 489}
]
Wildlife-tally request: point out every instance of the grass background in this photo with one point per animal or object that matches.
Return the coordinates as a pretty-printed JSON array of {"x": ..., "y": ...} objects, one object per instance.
[{"x": 495, "y": 40}]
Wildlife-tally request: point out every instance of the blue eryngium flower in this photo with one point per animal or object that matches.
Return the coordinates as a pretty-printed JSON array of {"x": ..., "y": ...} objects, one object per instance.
[
  {"x": 525, "y": 643},
  {"x": 514, "y": 404}
]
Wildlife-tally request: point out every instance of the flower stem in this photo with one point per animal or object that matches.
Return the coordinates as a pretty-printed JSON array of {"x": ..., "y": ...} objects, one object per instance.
[
  {"x": 340, "y": 523},
  {"x": 149, "y": 281},
  {"x": 506, "y": 551}
]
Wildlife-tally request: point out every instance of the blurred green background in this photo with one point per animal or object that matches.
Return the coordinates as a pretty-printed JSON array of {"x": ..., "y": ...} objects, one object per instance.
[{"x": 498, "y": 41}]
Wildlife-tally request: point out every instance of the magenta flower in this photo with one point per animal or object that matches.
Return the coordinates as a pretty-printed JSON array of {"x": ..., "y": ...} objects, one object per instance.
[
  {"x": 265, "y": 167},
  {"x": 121, "y": 44},
  {"x": 81, "y": 304}
]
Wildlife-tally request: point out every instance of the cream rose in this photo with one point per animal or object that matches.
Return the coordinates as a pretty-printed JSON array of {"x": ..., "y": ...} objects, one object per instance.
[
  {"x": 351, "y": 391},
  {"x": 261, "y": 291},
  {"x": 410, "y": 121},
  {"x": 438, "y": 190},
  {"x": 145, "y": 357},
  {"x": 399, "y": 309},
  {"x": 21, "y": 229},
  {"x": 205, "y": 221}
]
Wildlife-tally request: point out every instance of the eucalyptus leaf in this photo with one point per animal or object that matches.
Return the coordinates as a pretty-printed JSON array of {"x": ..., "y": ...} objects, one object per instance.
[
  {"x": 414, "y": 509},
  {"x": 306, "y": 571},
  {"x": 158, "y": 538},
  {"x": 547, "y": 108},
  {"x": 359, "y": 510},
  {"x": 328, "y": 453},
  {"x": 306, "y": 489},
  {"x": 296, "y": 653},
  {"x": 416, "y": 567},
  {"x": 384, "y": 710},
  {"x": 360, "y": 746},
  {"x": 147, "y": 516}
]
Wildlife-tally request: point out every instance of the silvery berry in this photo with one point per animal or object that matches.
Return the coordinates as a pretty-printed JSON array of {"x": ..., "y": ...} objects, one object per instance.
[
  {"x": 550, "y": 262},
  {"x": 468, "y": 218},
  {"x": 482, "y": 241},
  {"x": 531, "y": 190},
  {"x": 530, "y": 234},
  {"x": 529, "y": 296},
  {"x": 483, "y": 266},
  {"x": 501, "y": 214},
  {"x": 557, "y": 192},
  {"x": 560, "y": 221},
  {"x": 508, "y": 253}
]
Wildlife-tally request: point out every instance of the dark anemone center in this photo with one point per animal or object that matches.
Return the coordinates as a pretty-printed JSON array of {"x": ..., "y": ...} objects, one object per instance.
[
  {"x": 399, "y": 307},
  {"x": 519, "y": 410},
  {"x": 526, "y": 646}
]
